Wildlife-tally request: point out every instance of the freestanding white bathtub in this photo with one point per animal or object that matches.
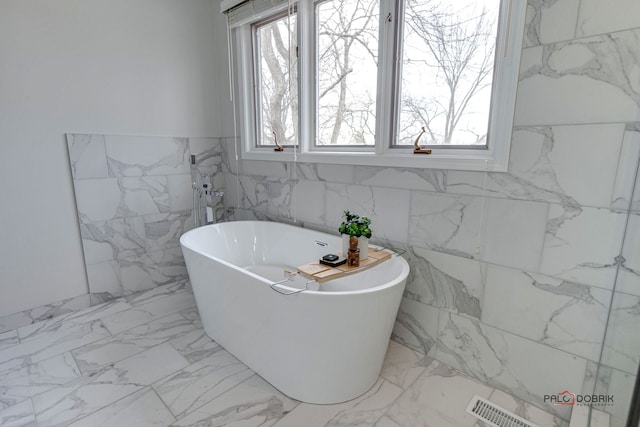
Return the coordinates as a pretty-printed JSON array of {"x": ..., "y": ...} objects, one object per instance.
[{"x": 324, "y": 346}]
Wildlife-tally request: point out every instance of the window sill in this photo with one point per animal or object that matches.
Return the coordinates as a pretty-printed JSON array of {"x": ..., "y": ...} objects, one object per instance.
[{"x": 440, "y": 159}]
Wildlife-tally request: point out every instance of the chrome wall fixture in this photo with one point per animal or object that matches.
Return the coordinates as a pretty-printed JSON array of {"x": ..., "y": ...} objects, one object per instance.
[{"x": 203, "y": 195}]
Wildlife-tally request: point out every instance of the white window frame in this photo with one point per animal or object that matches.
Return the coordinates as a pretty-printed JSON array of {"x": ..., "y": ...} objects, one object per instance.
[{"x": 495, "y": 157}]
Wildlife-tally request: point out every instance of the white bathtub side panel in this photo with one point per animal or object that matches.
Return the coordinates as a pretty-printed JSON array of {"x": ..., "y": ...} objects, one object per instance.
[{"x": 313, "y": 347}]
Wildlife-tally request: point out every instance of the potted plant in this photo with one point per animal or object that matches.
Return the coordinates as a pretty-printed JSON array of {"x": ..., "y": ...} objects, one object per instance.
[{"x": 360, "y": 227}]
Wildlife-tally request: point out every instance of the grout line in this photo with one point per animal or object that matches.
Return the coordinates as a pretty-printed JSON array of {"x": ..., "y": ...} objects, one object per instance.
[
  {"x": 75, "y": 362},
  {"x": 489, "y": 263},
  {"x": 492, "y": 194},
  {"x": 33, "y": 411},
  {"x": 153, "y": 390},
  {"x": 512, "y": 334},
  {"x": 75, "y": 420},
  {"x": 35, "y": 414},
  {"x": 147, "y": 386},
  {"x": 193, "y": 410}
]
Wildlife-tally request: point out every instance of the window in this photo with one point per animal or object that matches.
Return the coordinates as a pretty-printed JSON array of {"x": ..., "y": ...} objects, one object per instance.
[
  {"x": 276, "y": 83},
  {"x": 360, "y": 81},
  {"x": 346, "y": 63},
  {"x": 448, "y": 52}
]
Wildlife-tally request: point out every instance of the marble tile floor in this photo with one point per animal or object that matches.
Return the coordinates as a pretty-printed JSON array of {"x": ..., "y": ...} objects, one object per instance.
[{"x": 145, "y": 360}]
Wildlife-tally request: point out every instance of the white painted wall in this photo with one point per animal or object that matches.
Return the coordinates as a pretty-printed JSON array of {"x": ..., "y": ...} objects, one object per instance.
[{"x": 142, "y": 67}]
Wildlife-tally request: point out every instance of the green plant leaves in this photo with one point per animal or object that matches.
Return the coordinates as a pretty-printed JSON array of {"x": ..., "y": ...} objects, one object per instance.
[{"x": 354, "y": 225}]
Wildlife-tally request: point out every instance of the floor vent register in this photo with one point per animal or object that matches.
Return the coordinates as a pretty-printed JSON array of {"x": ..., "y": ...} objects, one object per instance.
[{"x": 494, "y": 415}]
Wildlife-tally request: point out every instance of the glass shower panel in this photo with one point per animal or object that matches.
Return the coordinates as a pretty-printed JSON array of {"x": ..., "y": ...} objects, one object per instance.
[{"x": 620, "y": 358}]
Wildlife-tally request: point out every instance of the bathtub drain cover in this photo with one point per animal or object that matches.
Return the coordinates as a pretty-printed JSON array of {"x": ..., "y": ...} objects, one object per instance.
[{"x": 494, "y": 415}]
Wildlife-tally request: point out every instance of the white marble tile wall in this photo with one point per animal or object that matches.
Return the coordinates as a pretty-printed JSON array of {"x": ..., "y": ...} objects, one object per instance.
[
  {"x": 513, "y": 273},
  {"x": 134, "y": 200}
]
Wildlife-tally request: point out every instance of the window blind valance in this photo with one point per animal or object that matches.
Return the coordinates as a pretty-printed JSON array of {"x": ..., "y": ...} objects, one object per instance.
[{"x": 240, "y": 12}]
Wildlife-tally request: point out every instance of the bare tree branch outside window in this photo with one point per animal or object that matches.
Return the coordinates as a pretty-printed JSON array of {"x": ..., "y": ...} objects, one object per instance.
[
  {"x": 447, "y": 70},
  {"x": 347, "y": 65},
  {"x": 276, "y": 42}
]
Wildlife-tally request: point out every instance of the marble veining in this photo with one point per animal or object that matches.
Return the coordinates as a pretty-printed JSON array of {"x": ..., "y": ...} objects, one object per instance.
[
  {"x": 195, "y": 345},
  {"x": 201, "y": 382},
  {"x": 154, "y": 268},
  {"x": 578, "y": 91},
  {"x": 159, "y": 293},
  {"x": 142, "y": 408},
  {"x": 269, "y": 197},
  {"x": 8, "y": 338},
  {"x": 364, "y": 410},
  {"x": 20, "y": 415},
  {"x": 620, "y": 15},
  {"x": 69, "y": 305},
  {"x": 507, "y": 361},
  {"x": 445, "y": 223},
  {"x": 140, "y": 156},
  {"x": 445, "y": 281},
  {"x": 550, "y": 21},
  {"x": 134, "y": 200},
  {"x": 629, "y": 273},
  {"x": 610, "y": 381},
  {"x": 564, "y": 315},
  {"x": 155, "y": 366},
  {"x": 87, "y": 155},
  {"x": 417, "y": 326},
  {"x": 542, "y": 157},
  {"x": 253, "y": 402},
  {"x": 581, "y": 244},
  {"x": 51, "y": 344},
  {"x": 513, "y": 273},
  {"x": 149, "y": 311},
  {"x": 622, "y": 344},
  {"x": 381, "y": 205},
  {"x": 602, "y": 66},
  {"x": 20, "y": 384},
  {"x": 559, "y": 240},
  {"x": 417, "y": 179},
  {"x": 163, "y": 231},
  {"x": 64, "y": 321},
  {"x": 445, "y": 394},
  {"x": 111, "y": 240},
  {"x": 626, "y": 193},
  {"x": 93, "y": 357},
  {"x": 88, "y": 394},
  {"x": 402, "y": 366}
]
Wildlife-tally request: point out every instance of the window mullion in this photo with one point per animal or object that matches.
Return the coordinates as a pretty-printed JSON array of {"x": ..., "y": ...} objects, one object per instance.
[
  {"x": 306, "y": 88},
  {"x": 386, "y": 101},
  {"x": 246, "y": 90}
]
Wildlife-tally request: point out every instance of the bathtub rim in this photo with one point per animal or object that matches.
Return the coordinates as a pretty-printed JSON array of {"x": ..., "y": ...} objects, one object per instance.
[{"x": 402, "y": 276}]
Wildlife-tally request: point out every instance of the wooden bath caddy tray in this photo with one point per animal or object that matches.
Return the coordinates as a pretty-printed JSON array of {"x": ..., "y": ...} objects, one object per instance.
[{"x": 323, "y": 273}]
